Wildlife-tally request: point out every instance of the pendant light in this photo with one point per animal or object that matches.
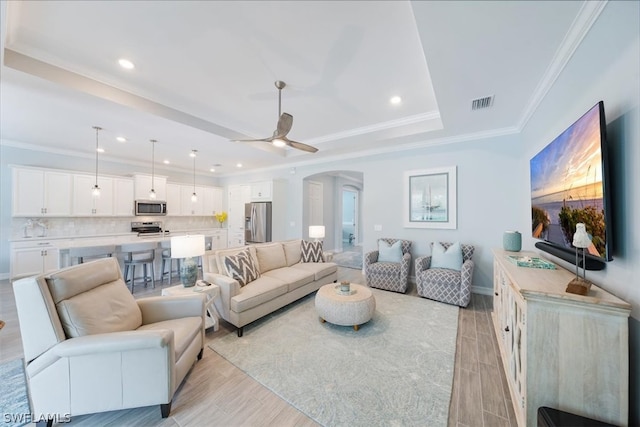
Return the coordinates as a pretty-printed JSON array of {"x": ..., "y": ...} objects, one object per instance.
[
  {"x": 194, "y": 197},
  {"x": 152, "y": 193},
  {"x": 96, "y": 189}
]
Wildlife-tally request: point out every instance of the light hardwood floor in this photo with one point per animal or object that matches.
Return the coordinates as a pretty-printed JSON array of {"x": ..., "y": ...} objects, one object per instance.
[{"x": 215, "y": 392}]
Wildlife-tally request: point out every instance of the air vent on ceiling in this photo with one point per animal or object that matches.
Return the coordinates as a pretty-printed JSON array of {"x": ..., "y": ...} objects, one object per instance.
[{"x": 480, "y": 103}]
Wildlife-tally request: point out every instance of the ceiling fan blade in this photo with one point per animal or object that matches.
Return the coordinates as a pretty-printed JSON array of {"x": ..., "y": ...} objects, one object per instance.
[
  {"x": 300, "y": 146},
  {"x": 284, "y": 125},
  {"x": 255, "y": 140}
]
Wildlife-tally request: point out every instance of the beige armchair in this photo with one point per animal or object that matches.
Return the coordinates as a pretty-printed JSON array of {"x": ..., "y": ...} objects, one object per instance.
[{"x": 89, "y": 346}]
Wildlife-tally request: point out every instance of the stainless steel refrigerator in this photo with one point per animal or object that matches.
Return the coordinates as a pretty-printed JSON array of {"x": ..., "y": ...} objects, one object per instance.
[{"x": 257, "y": 222}]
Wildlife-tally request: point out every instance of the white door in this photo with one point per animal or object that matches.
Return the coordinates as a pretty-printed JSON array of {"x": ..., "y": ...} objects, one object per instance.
[{"x": 349, "y": 217}]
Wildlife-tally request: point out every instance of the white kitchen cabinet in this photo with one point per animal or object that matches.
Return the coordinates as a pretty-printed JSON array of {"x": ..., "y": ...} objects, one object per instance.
[
  {"x": 189, "y": 207},
  {"x": 123, "y": 197},
  {"x": 261, "y": 191},
  {"x": 236, "y": 238},
  {"x": 31, "y": 258},
  {"x": 212, "y": 200},
  {"x": 41, "y": 192},
  {"x": 84, "y": 203},
  {"x": 142, "y": 186},
  {"x": 558, "y": 349},
  {"x": 219, "y": 239},
  {"x": 237, "y": 196},
  {"x": 174, "y": 199}
]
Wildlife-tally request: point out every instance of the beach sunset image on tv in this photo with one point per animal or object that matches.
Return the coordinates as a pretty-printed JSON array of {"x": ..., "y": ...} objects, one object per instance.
[{"x": 567, "y": 185}]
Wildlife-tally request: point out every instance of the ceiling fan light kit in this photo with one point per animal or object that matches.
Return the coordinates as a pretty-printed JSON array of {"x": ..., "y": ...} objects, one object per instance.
[{"x": 285, "y": 122}]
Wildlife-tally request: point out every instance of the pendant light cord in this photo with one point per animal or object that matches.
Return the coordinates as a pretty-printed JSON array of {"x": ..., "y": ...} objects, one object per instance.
[
  {"x": 98, "y": 129},
  {"x": 153, "y": 162}
]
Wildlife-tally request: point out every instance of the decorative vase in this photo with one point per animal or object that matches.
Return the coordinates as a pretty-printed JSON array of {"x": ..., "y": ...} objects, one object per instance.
[{"x": 512, "y": 241}]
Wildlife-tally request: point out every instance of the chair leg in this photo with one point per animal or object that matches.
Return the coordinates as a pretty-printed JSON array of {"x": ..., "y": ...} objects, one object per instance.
[
  {"x": 240, "y": 332},
  {"x": 165, "y": 408},
  {"x": 42, "y": 423},
  {"x": 145, "y": 278},
  {"x": 153, "y": 276},
  {"x": 200, "y": 354},
  {"x": 133, "y": 276}
]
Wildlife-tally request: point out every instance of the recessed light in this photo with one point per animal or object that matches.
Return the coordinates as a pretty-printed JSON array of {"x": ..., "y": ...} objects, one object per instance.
[
  {"x": 212, "y": 170},
  {"x": 100, "y": 150},
  {"x": 121, "y": 139},
  {"x": 239, "y": 165},
  {"x": 395, "y": 100},
  {"x": 126, "y": 64},
  {"x": 166, "y": 162}
]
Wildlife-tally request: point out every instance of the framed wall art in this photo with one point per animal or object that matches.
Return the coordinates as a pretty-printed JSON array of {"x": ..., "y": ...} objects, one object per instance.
[{"x": 430, "y": 198}]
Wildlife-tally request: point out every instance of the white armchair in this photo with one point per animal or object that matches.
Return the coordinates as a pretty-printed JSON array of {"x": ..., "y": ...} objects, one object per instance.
[{"x": 89, "y": 346}]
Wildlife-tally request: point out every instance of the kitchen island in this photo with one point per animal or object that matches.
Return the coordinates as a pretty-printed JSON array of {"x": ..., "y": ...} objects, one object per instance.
[{"x": 36, "y": 255}]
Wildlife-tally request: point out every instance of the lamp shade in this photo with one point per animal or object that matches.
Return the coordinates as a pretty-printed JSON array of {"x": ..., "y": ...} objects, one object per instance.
[
  {"x": 187, "y": 246},
  {"x": 581, "y": 239},
  {"x": 316, "y": 231}
]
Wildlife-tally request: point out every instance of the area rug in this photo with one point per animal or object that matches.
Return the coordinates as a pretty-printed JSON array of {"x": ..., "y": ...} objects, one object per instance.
[
  {"x": 397, "y": 370},
  {"x": 13, "y": 394},
  {"x": 348, "y": 259}
]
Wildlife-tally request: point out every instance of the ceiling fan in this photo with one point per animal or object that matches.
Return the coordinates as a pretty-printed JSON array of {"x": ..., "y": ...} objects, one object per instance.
[{"x": 285, "y": 121}]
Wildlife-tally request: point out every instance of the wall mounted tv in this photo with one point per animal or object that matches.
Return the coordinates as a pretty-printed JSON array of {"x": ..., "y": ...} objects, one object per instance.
[{"x": 569, "y": 185}]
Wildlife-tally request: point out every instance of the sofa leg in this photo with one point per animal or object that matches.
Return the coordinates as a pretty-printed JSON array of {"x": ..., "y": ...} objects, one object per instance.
[
  {"x": 240, "y": 331},
  {"x": 42, "y": 423},
  {"x": 165, "y": 408},
  {"x": 200, "y": 354}
]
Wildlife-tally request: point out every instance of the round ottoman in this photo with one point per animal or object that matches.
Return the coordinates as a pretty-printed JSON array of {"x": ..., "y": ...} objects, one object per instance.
[{"x": 345, "y": 310}]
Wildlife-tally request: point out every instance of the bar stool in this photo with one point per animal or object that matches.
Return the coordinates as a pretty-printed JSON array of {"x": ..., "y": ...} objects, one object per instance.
[
  {"x": 139, "y": 254},
  {"x": 92, "y": 252},
  {"x": 166, "y": 257},
  {"x": 208, "y": 244}
]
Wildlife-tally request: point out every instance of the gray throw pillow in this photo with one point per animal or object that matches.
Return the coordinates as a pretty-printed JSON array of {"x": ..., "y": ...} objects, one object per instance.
[
  {"x": 242, "y": 267},
  {"x": 312, "y": 251}
]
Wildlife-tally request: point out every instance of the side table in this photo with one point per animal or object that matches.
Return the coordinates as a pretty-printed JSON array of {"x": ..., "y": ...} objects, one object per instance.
[{"x": 212, "y": 292}]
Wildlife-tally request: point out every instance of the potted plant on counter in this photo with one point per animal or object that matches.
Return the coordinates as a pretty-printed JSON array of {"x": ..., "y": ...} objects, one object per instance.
[{"x": 221, "y": 217}]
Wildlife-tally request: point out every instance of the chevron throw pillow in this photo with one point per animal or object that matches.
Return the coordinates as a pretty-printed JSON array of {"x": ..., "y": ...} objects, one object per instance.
[
  {"x": 242, "y": 267},
  {"x": 312, "y": 252}
]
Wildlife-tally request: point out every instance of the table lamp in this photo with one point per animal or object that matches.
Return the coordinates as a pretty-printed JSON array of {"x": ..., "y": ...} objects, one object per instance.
[
  {"x": 581, "y": 240},
  {"x": 316, "y": 232},
  {"x": 188, "y": 247}
]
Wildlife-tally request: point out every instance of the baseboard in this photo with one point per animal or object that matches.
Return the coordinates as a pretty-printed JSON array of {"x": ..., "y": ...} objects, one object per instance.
[{"x": 482, "y": 290}]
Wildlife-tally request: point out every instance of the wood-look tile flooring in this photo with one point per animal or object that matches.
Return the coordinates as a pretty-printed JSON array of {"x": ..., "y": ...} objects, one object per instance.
[{"x": 215, "y": 392}]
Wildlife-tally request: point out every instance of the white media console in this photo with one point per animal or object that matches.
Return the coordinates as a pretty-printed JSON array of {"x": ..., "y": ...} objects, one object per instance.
[{"x": 560, "y": 350}]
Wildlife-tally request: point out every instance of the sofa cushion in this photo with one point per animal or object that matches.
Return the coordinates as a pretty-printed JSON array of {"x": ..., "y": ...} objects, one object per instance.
[
  {"x": 318, "y": 269},
  {"x": 311, "y": 251},
  {"x": 293, "y": 251},
  {"x": 270, "y": 257},
  {"x": 294, "y": 277},
  {"x": 184, "y": 331},
  {"x": 242, "y": 267},
  {"x": 258, "y": 292},
  {"x": 103, "y": 309}
]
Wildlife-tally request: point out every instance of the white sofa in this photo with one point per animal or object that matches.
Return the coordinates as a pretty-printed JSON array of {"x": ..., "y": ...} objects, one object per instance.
[
  {"x": 284, "y": 278},
  {"x": 89, "y": 346}
]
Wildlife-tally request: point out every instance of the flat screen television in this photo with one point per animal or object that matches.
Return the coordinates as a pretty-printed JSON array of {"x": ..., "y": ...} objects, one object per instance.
[{"x": 569, "y": 184}]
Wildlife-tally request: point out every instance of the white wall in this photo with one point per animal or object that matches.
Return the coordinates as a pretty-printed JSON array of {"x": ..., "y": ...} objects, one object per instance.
[{"x": 493, "y": 173}]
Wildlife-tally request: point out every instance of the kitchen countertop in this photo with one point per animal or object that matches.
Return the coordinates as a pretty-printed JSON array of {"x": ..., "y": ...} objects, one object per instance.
[{"x": 66, "y": 242}]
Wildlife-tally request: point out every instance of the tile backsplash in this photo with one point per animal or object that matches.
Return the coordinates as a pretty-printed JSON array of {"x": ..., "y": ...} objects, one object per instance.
[{"x": 83, "y": 226}]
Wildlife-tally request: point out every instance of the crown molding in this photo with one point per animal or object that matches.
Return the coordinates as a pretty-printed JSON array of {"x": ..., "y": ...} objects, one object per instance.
[
  {"x": 584, "y": 20},
  {"x": 409, "y": 120}
]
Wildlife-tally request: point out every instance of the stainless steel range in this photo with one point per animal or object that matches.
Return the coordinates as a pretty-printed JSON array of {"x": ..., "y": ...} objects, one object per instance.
[{"x": 151, "y": 228}]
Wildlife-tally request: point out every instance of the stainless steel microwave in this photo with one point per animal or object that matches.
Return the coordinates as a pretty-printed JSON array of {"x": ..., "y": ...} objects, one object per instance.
[{"x": 150, "y": 207}]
